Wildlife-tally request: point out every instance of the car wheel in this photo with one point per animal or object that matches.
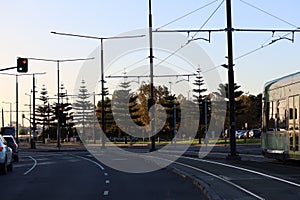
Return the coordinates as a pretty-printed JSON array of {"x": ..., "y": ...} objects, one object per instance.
[{"x": 3, "y": 168}]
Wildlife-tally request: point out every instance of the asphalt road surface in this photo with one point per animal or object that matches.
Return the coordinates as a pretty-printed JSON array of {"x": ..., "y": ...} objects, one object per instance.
[{"x": 78, "y": 176}]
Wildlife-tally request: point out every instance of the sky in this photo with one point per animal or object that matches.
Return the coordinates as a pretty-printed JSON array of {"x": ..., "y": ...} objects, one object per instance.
[{"x": 26, "y": 26}]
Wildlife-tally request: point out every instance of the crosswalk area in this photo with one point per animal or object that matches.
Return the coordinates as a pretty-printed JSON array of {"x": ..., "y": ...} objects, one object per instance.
[{"x": 36, "y": 159}]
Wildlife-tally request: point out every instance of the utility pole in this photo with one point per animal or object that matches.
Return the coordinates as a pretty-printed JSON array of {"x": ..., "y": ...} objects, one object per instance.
[
  {"x": 229, "y": 29},
  {"x": 102, "y": 71},
  {"x": 151, "y": 101},
  {"x": 17, "y": 99},
  {"x": 233, "y": 154},
  {"x": 58, "y": 96}
]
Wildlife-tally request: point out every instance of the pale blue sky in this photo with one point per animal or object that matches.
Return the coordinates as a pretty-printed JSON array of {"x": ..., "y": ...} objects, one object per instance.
[{"x": 26, "y": 25}]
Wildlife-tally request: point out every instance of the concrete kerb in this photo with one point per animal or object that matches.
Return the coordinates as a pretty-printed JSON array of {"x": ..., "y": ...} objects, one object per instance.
[
  {"x": 53, "y": 148},
  {"x": 208, "y": 192}
]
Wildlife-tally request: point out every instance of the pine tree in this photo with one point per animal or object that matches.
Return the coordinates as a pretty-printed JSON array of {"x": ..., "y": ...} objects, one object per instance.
[
  {"x": 44, "y": 112},
  {"x": 168, "y": 104},
  {"x": 110, "y": 125},
  {"x": 83, "y": 116},
  {"x": 199, "y": 99},
  {"x": 239, "y": 107},
  {"x": 126, "y": 110}
]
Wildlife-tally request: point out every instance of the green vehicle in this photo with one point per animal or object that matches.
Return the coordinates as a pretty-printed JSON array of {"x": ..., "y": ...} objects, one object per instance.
[{"x": 280, "y": 118}]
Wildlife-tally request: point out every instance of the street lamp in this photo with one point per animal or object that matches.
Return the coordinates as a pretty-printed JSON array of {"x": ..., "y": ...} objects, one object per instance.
[
  {"x": 17, "y": 98},
  {"x": 57, "y": 61},
  {"x": 102, "y": 68},
  {"x": 10, "y": 123}
]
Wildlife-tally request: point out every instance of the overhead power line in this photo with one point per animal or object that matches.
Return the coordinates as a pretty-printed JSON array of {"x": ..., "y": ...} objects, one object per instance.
[
  {"x": 179, "y": 18},
  {"x": 213, "y": 13},
  {"x": 278, "y": 18}
]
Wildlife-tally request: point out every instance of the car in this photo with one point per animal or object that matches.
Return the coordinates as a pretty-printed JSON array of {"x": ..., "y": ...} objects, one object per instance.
[
  {"x": 5, "y": 157},
  {"x": 11, "y": 142},
  {"x": 254, "y": 133},
  {"x": 239, "y": 134}
]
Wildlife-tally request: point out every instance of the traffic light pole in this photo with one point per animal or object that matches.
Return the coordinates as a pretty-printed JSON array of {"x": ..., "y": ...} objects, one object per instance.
[
  {"x": 17, "y": 109},
  {"x": 58, "y": 96}
]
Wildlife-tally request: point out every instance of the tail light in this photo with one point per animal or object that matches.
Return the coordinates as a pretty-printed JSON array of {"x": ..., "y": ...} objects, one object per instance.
[
  {"x": 15, "y": 145},
  {"x": 1, "y": 148}
]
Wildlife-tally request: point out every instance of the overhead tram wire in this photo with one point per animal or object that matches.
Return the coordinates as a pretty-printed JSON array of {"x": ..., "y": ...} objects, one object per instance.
[
  {"x": 187, "y": 43},
  {"x": 265, "y": 44},
  {"x": 213, "y": 13},
  {"x": 131, "y": 65},
  {"x": 179, "y": 18},
  {"x": 175, "y": 65},
  {"x": 278, "y": 18}
]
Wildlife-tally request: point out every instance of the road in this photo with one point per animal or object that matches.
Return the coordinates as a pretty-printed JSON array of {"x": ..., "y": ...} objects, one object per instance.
[
  {"x": 253, "y": 177},
  {"x": 77, "y": 176}
]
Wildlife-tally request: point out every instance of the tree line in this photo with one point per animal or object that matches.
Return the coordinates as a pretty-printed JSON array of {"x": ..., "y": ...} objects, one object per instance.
[{"x": 83, "y": 114}]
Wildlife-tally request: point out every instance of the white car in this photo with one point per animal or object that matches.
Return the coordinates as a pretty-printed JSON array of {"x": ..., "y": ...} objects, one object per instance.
[{"x": 5, "y": 157}]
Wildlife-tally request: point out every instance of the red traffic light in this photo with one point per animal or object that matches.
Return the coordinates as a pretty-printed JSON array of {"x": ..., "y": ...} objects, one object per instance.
[{"x": 22, "y": 64}]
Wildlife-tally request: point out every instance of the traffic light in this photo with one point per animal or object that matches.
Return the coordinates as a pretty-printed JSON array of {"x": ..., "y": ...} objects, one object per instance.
[
  {"x": 60, "y": 110},
  {"x": 22, "y": 65},
  {"x": 63, "y": 119}
]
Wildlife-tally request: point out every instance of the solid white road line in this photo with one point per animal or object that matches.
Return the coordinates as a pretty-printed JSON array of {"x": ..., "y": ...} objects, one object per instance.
[
  {"x": 247, "y": 170},
  {"x": 216, "y": 176},
  {"x": 34, "y": 165},
  {"x": 100, "y": 166}
]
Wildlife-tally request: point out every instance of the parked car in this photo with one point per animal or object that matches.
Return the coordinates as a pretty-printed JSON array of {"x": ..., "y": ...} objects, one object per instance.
[
  {"x": 5, "y": 156},
  {"x": 8, "y": 131},
  {"x": 239, "y": 134},
  {"x": 11, "y": 142},
  {"x": 254, "y": 133}
]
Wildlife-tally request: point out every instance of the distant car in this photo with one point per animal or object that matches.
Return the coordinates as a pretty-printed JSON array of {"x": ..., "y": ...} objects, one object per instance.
[
  {"x": 254, "y": 133},
  {"x": 11, "y": 142},
  {"x": 8, "y": 131},
  {"x": 5, "y": 156},
  {"x": 239, "y": 134}
]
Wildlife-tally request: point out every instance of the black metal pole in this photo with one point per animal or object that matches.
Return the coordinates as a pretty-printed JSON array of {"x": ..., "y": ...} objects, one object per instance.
[
  {"x": 30, "y": 130},
  {"x": 94, "y": 117},
  {"x": 58, "y": 103},
  {"x": 2, "y": 118},
  {"x": 102, "y": 96},
  {"x": 10, "y": 115},
  {"x": 17, "y": 109},
  {"x": 151, "y": 101},
  {"x": 231, "y": 81},
  {"x": 33, "y": 114}
]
